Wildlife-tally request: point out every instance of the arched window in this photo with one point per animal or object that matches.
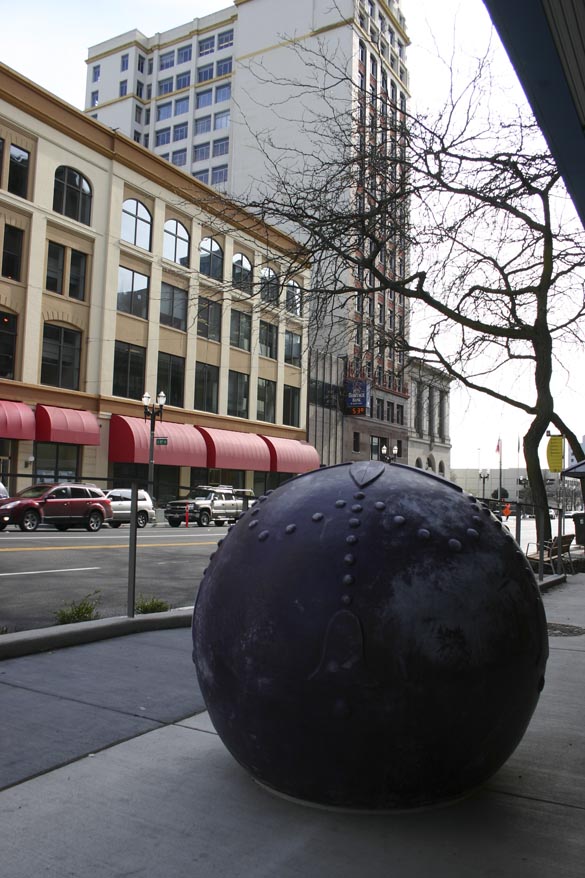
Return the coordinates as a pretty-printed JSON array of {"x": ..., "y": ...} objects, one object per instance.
[
  {"x": 269, "y": 286},
  {"x": 176, "y": 242},
  {"x": 72, "y": 195},
  {"x": 136, "y": 223},
  {"x": 211, "y": 258},
  {"x": 419, "y": 463},
  {"x": 294, "y": 298},
  {"x": 242, "y": 273},
  {"x": 441, "y": 468}
]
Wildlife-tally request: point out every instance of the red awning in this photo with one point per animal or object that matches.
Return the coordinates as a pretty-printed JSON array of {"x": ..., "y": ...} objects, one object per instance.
[
  {"x": 130, "y": 443},
  {"x": 229, "y": 449},
  {"x": 71, "y": 426},
  {"x": 291, "y": 456},
  {"x": 17, "y": 420}
]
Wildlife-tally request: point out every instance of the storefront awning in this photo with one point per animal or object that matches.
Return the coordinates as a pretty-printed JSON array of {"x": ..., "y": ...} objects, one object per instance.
[
  {"x": 229, "y": 449},
  {"x": 291, "y": 456},
  {"x": 17, "y": 420},
  {"x": 70, "y": 426},
  {"x": 130, "y": 443}
]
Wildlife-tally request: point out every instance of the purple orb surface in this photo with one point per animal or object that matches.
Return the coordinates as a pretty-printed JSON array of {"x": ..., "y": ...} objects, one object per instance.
[{"x": 369, "y": 636}]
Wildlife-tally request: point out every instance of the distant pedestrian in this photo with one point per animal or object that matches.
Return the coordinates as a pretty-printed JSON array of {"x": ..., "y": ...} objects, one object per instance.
[{"x": 506, "y": 511}]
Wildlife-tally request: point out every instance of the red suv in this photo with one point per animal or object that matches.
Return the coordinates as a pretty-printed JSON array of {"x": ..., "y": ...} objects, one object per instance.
[{"x": 61, "y": 505}]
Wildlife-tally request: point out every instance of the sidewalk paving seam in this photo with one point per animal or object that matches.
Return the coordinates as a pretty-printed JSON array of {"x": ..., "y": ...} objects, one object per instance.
[{"x": 525, "y": 798}]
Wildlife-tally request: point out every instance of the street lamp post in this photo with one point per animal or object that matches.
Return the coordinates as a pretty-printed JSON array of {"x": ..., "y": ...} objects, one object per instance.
[
  {"x": 484, "y": 476},
  {"x": 152, "y": 412},
  {"x": 384, "y": 452}
]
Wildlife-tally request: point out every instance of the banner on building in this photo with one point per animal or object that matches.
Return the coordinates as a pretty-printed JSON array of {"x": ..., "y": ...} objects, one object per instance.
[{"x": 555, "y": 454}]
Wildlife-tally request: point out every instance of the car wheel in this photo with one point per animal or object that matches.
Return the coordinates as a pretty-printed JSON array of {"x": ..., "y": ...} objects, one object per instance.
[
  {"x": 142, "y": 518},
  {"x": 30, "y": 520},
  {"x": 174, "y": 522},
  {"x": 61, "y": 527},
  {"x": 94, "y": 522},
  {"x": 2, "y": 525},
  {"x": 204, "y": 519},
  {"x": 115, "y": 523}
]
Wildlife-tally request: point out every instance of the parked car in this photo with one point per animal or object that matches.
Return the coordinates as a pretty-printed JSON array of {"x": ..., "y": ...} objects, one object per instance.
[
  {"x": 121, "y": 500},
  {"x": 205, "y": 504},
  {"x": 60, "y": 505}
]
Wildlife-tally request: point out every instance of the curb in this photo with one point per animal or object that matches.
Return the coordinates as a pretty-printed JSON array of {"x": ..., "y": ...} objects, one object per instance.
[{"x": 59, "y": 636}]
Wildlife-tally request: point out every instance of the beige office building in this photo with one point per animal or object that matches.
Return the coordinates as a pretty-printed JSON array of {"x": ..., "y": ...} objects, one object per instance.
[{"x": 122, "y": 274}]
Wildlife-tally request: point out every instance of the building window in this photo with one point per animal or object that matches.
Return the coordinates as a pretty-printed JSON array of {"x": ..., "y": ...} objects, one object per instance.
[
  {"x": 137, "y": 136},
  {"x": 380, "y": 409},
  {"x": 242, "y": 273},
  {"x": 72, "y": 195},
  {"x": 171, "y": 377},
  {"x": 221, "y": 120},
  {"x": 207, "y": 46},
  {"x": 141, "y": 63},
  {"x": 225, "y": 39},
  {"x": 94, "y": 99},
  {"x": 291, "y": 408},
  {"x": 221, "y": 147},
  {"x": 223, "y": 92},
  {"x": 219, "y": 175},
  {"x": 150, "y": 66},
  {"x": 184, "y": 54},
  {"x": 136, "y": 224},
  {"x": 165, "y": 86},
  {"x": 181, "y": 106},
  {"x": 176, "y": 242},
  {"x": 268, "y": 285},
  {"x": 211, "y": 258},
  {"x": 294, "y": 298},
  {"x": 12, "y": 251},
  {"x": 266, "y": 405},
  {"x": 238, "y": 383},
  {"x": 292, "y": 348},
  {"x": 123, "y": 88},
  {"x": 149, "y": 91},
  {"x": 162, "y": 137},
  {"x": 400, "y": 414},
  {"x": 203, "y": 125},
  {"x": 390, "y": 412},
  {"x": 138, "y": 114},
  {"x": 209, "y": 319},
  {"x": 18, "y": 168},
  {"x": 61, "y": 357},
  {"x": 201, "y": 152},
  {"x": 7, "y": 344},
  {"x": 356, "y": 443},
  {"x": 129, "y": 363},
  {"x": 179, "y": 157},
  {"x": 203, "y": 99},
  {"x": 183, "y": 80},
  {"x": 166, "y": 60},
  {"x": 95, "y": 73},
  {"x": 133, "y": 292},
  {"x": 164, "y": 111},
  {"x": 206, "y": 387},
  {"x": 124, "y": 62},
  {"x": 268, "y": 339},
  {"x": 205, "y": 73},
  {"x": 173, "y": 306},
  {"x": 240, "y": 329},
  {"x": 202, "y": 176},
  {"x": 66, "y": 270},
  {"x": 224, "y": 67},
  {"x": 180, "y": 131}
]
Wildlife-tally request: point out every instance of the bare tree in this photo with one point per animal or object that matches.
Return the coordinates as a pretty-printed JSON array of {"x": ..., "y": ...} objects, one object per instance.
[{"x": 463, "y": 212}]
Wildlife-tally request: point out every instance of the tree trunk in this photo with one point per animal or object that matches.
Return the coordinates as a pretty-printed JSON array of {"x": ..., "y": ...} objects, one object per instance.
[{"x": 531, "y": 443}]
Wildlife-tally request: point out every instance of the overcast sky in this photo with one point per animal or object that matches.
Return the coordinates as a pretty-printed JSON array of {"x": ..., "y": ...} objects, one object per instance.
[{"x": 48, "y": 43}]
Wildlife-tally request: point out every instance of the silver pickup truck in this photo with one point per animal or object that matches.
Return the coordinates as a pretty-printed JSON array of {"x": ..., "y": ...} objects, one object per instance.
[{"x": 205, "y": 504}]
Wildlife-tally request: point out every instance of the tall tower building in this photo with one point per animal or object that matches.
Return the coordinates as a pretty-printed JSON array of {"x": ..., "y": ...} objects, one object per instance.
[{"x": 205, "y": 94}]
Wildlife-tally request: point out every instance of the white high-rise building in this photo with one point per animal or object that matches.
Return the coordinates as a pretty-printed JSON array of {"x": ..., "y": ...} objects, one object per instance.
[{"x": 211, "y": 94}]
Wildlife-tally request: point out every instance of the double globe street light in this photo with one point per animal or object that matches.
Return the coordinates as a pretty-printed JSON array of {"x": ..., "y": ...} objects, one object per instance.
[
  {"x": 384, "y": 450},
  {"x": 153, "y": 412}
]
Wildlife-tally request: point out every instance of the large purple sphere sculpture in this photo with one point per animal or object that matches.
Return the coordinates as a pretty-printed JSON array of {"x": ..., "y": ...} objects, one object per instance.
[{"x": 369, "y": 636}]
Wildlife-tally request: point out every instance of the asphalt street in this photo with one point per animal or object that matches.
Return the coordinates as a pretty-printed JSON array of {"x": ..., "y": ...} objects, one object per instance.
[{"x": 46, "y": 570}]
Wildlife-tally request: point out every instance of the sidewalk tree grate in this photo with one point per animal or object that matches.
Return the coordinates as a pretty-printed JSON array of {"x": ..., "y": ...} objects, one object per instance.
[{"x": 555, "y": 629}]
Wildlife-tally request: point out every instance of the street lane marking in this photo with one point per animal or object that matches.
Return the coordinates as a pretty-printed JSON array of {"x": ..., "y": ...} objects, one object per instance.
[
  {"x": 61, "y": 570},
  {"x": 103, "y": 546}
]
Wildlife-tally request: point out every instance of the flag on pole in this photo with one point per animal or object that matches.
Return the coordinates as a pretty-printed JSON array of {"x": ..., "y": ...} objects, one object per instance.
[{"x": 499, "y": 447}]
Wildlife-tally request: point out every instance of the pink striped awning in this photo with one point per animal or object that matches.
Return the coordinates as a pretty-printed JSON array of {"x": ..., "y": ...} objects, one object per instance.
[
  {"x": 70, "y": 426},
  {"x": 291, "y": 456},
  {"x": 130, "y": 443},
  {"x": 17, "y": 420},
  {"x": 229, "y": 449}
]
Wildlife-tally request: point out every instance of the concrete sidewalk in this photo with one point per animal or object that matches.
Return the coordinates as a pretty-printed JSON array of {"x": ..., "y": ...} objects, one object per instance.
[{"x": 110, "y": 767}]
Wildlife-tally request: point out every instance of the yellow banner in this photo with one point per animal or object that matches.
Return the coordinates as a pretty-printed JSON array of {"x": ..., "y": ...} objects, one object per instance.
[{"x": 555, "y": 454}]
